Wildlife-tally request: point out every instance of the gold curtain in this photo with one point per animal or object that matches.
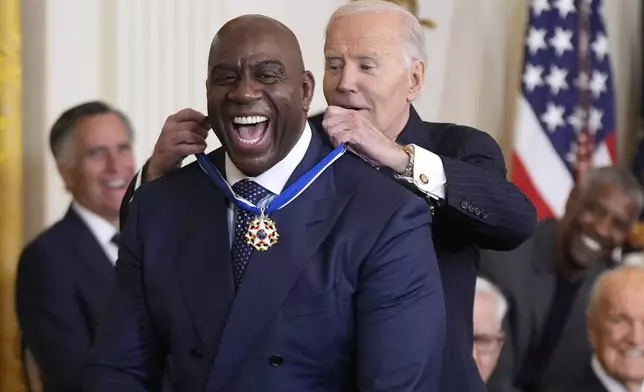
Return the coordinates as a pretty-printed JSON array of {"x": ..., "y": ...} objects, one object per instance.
[{"x": 11, "y": 240}]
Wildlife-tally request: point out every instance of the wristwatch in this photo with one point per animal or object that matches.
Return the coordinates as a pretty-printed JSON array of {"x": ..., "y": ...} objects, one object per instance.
[{"x": 409, "y": 170}]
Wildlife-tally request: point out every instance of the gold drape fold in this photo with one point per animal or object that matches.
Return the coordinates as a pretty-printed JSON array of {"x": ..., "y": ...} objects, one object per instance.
[{"x": 11, "y": 240}]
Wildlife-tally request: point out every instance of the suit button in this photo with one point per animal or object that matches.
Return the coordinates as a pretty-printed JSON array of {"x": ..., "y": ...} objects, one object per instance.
[
  {"x": 464, "y": 205},
  {"x": 424, "y": 179},
  {"x": 470, "y": 208},
  {"x": 196, "y": 353},
  {"x": 276, "y": 360},
  {"x": 484, "y": 215},
  {"x": 477, "y": 211}
]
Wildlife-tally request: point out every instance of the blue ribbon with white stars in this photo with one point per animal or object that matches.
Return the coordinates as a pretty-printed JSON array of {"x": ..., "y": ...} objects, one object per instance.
[{"x": 284, "y": 198}]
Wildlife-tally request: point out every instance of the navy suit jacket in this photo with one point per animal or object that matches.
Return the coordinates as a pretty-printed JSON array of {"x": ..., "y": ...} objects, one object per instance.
[
  {"x": 481, "y": 210},
  {"x": 62, "y": 286},
  {"x": 349, "y": 299}
]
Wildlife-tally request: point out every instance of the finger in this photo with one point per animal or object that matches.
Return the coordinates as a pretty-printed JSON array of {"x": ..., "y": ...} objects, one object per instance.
[
  {"x": 344, "y": 119},
  {"x": 185, "y": 136},
  {"x": 187, "y": 115},
  {"x": 183, "y": 150},
  {"x": 335, "y": 110},
  {"x": 339, "y": 136},
  {"x": 190, "y": 126}
]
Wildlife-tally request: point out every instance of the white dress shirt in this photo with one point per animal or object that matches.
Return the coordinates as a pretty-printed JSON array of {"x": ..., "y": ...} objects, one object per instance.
[
  {"x": 609, "y": 383},
  {"x": 274, "y": 179},
  {"x": 102, "y": 230},
  {"x": 428, "y": 173}
]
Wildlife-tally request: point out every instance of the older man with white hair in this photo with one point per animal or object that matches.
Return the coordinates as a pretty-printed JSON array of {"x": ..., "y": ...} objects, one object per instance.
[
  {"x": 490, "y": 307},
  {"x": 375, "y": 59},
  {"x": 616, "y": 334}
]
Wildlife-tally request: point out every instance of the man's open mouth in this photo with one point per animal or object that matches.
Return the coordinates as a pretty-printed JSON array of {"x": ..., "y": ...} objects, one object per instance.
[{"x": 250, "y": 129}]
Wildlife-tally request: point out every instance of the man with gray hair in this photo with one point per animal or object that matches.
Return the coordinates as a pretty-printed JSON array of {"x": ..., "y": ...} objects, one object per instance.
[
  {"x": 490, "y": 307},
  {"x": 547, "y": 281},
  {"x": 375, "y": 68},
  {"x": 616, "y": 334},
  {"x": 65, "y": 273}
]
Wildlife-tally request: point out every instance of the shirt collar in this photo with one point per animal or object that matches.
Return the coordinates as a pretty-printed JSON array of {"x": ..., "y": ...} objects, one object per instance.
[
  {"x": 276, "y": 177},
  {"x": 609, "y": 383},
  {"x": 103, "y": 230}
]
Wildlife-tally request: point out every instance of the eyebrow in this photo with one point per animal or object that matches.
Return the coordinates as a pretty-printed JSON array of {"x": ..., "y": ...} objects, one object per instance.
[
  {"x": 270, "y": 63},
  {"x": 370, "y": 56},
  {"x": 259, "y": 64}
]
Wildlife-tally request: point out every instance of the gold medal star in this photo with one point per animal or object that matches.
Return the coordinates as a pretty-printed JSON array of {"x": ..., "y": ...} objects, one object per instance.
[{"x": 262, "y": 234}]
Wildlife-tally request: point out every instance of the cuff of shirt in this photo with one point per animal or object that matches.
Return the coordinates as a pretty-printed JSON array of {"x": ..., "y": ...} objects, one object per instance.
[{"x": 428, "y": 173}]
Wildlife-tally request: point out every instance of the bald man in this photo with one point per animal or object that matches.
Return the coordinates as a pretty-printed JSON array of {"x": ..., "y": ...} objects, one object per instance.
[
  {"x": 278, "y": 262},
  {"x": 616, "y": 334}
]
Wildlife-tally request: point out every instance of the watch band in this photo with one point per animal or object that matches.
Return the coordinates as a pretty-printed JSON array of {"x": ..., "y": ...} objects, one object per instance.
[{"x": 409, "y": 170}]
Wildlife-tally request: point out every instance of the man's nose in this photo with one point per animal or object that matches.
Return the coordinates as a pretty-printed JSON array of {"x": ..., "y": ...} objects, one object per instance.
[
  {"x": 112, "y": 161},
  {"x": 604, "y": 228},
  {"x": 245, "y": 91},
  {"x": 348, "y": 80},
  {"x": 636, "y": 334}
]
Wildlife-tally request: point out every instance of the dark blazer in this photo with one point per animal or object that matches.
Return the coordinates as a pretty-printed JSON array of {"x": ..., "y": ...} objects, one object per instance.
[
  {"x": 349, "y": 298},
  {"x": 62, "y": 284},
  {"x": 587, "y": 381},
  {"x": 527, "y": 277},
  {"x": 482, "y": 210}
]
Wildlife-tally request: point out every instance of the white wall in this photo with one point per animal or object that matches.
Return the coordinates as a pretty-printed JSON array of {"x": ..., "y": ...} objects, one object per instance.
[{"x": 148, "y": 57}]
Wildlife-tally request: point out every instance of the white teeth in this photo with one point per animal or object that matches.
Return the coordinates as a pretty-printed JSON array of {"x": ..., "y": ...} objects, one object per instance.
[
  {"x": 591, "y": 243},
  {"x": 634, "y": 353},
  {"x": 116, "y": 184},
  {"x": 247, "y": 120},
  {"x": 250, "y": 141}
]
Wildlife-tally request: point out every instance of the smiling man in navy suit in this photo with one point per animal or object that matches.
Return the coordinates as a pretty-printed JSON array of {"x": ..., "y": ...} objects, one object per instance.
[
  {"x": 64, "y": 274},
  {"x": 339, "y": 290},
  {"x": 375, "y": 67}
]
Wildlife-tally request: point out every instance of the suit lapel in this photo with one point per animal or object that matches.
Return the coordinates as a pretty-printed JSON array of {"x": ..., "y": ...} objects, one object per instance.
[
  {"x": 88, "y": 248},
  {"x": 203, "y": 258},
  {"x": 303, "y": 225}
]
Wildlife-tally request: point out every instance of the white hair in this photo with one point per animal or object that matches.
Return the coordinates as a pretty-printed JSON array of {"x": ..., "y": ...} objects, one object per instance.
[
  {"x": 414, "y": 48},
  {"x": 485, "y": 286},
  {"x": 630, "y": 265},
  {"x": 634, "y": 259}
]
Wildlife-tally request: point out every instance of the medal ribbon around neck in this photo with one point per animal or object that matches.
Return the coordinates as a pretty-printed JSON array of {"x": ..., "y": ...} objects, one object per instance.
[{"x": 262, "y": 233}]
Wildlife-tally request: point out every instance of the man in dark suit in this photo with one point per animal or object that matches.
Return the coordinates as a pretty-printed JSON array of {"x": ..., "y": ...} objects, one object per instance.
[
  {"x": 547, "y": 281},
  {"x": 64, "y": 274},
  {"x": 345, "y": 296},
  {"x": 458, "y": 170},
  {"x": 616, "y": 334}
]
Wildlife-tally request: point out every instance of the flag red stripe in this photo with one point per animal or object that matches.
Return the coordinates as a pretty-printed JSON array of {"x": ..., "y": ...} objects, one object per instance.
[
  {"x": 611, "y": 145},
  {"x": 522, "y": 180}
]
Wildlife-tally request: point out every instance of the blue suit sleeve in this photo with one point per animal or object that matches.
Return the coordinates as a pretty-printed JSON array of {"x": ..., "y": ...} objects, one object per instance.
[
  {"x": 128, "y": 354},
  {"x": 481, "y": 202},
  {"x": 45, "y": 297},
  {"x": 400, "y": 307}
]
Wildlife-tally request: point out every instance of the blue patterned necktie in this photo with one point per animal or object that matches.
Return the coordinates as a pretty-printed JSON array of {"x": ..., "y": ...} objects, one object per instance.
[{"x": 240, "y": 250}]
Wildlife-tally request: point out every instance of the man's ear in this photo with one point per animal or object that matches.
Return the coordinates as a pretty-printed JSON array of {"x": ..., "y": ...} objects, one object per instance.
[
  {"x": 308, "y": 88},
  {"x": 416, "y": 80},
  {"x": 67, "y": 175}
]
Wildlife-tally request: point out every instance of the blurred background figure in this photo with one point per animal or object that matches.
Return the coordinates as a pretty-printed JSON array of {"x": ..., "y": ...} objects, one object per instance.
[
  {"x": 65, "y": 273},
  {"x": 490, "y": 307},
  {"x": 616, "y": 332},
  {"x": 547, "y": 281}
]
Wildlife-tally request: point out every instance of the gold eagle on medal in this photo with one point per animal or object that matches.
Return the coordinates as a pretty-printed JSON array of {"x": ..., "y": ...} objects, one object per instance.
[{"x": 412, "y": 7}]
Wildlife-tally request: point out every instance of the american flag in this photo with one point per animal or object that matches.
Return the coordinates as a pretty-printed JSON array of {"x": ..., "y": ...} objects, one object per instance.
[{"x": 565, "y": 120}]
